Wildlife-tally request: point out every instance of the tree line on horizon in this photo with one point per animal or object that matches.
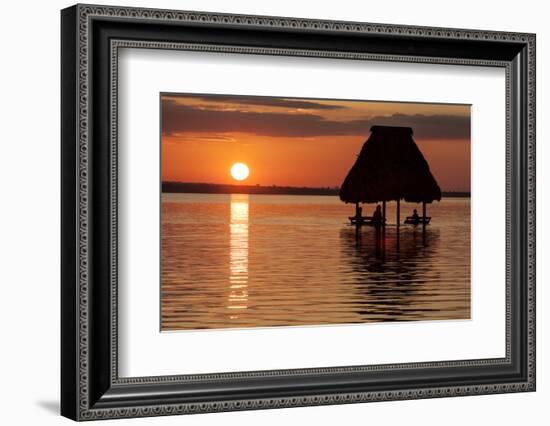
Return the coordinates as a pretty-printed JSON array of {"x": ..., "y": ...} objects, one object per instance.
[{"x": 216, "y": 188}]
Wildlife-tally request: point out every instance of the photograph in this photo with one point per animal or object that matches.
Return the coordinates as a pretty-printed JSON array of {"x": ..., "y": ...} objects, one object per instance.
[
  {"x": 274, "y": 208},
  {"x": 283, "y": 211}
]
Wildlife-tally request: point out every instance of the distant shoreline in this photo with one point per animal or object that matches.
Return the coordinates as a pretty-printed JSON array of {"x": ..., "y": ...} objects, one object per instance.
[{"x": 216, "y": 188}]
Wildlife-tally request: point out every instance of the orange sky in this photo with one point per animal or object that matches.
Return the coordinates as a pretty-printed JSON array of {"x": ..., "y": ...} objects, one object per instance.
[{"x": 301, "y": 142}]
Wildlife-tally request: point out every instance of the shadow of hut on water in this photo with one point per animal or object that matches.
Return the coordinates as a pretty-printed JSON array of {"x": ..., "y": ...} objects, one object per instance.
[{"x": 389, "y": 167}]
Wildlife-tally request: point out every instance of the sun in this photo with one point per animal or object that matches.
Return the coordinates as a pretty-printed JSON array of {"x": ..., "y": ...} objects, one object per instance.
[{"x": 239, "y": 171}]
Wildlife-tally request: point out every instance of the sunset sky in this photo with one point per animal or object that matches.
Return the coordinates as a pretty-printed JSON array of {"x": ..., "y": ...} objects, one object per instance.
[{"x": 301, "y": 142}]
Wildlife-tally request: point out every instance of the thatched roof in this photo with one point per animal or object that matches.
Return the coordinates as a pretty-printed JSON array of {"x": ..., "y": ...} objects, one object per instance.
[{"x": 390, "y": 167}]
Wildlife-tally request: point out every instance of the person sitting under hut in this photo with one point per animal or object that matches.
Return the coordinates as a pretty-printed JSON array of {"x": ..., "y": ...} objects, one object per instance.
[
  {"x": 415, "y": 216},
  {"x": 358, "y": 211},
  {"x": 377, "y": 215}
]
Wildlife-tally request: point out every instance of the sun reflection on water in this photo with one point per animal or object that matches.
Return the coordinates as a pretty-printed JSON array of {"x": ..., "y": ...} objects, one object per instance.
[
  {"x": 238, "y": 255},
  {"x": 265, "y": 261}
]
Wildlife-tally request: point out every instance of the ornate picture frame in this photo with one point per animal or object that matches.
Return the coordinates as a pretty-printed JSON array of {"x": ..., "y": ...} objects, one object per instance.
[{"x": 91, "y": 39}]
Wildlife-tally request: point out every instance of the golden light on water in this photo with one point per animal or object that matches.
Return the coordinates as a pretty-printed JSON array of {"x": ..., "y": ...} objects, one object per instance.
[
  {"x": 238, "y": 254},
  {"x": 239, "y": 171},
  {"x": 239, "y": 261}
]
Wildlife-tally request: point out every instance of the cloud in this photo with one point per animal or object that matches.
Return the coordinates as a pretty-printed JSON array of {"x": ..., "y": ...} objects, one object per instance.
[
  {"x": 269, "y": 102},
  {"x": 180, "y": 118},
  {"x": 213, "y": 138}
]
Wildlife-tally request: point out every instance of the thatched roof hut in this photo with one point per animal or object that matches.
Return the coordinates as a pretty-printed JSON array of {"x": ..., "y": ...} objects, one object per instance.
[{"x": 390, "y": 167}]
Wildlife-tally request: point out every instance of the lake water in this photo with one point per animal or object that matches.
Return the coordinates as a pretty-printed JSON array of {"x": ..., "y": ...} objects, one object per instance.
[{"x": 276, "y": 260}]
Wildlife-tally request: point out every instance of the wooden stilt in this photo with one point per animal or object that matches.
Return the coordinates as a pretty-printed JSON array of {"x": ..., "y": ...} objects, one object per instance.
[
  {"x": 424, "y": 222},
  {"x": 383, "y": 226},
  {"x": 398, "y": 223},
  {"x": 357, "y": 222},
  {"x": 398, "y": 213},
  {"x": 424, "y": 213}
]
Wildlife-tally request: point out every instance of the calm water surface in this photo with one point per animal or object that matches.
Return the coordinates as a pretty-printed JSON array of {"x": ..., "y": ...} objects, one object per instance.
[{"x": 277, "y": 260}]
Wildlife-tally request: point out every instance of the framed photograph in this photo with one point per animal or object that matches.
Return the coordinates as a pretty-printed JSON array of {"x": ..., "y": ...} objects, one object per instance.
[{"x": 263, "y": 212}]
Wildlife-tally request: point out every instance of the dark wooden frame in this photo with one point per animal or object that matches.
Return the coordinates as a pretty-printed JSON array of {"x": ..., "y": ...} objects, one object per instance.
[{"x": 90, "y": 386}]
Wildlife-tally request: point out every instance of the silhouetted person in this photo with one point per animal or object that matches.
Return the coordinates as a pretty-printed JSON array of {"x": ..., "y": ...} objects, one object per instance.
[
  {"x": 377, "y": 215},
  {"x": 415, "y": 216},
  {"x": 358, "y": 211}
]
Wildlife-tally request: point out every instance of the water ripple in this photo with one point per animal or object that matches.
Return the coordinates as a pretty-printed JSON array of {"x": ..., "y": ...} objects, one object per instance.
[{"x": 258, "y": 261}]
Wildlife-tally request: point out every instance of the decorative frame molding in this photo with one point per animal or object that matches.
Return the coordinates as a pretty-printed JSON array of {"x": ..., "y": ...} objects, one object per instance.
[{"x": 91, "y": 388}]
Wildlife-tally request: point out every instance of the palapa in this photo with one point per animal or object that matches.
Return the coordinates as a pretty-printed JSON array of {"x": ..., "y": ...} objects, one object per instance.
[{"x": 390, "y": 167}]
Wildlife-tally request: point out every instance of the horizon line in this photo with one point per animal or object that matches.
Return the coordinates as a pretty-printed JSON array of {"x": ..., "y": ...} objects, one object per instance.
[{"x": 332, "y": 189}]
